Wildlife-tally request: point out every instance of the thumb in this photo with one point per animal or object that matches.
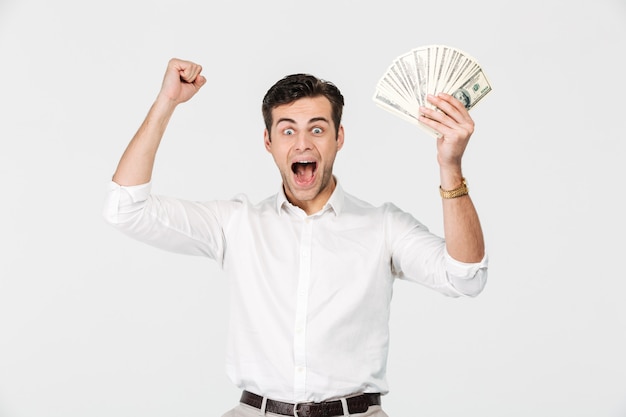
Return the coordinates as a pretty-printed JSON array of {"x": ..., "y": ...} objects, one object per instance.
[{"x": 199, "y": 81}]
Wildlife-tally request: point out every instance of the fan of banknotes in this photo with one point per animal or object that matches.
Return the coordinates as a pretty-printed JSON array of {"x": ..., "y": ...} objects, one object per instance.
[{"x": 427, "y": 70}]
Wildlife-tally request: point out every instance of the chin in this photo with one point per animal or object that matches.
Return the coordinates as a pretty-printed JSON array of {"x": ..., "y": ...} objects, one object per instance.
[{"x": 305, "y": 195}]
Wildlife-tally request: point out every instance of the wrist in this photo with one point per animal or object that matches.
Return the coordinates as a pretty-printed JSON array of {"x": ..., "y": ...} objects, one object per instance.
[{"x": 450, "y": 177}]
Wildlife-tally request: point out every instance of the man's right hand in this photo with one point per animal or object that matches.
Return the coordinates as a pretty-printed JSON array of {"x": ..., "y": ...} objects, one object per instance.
[{"x": 181, "y": 81}]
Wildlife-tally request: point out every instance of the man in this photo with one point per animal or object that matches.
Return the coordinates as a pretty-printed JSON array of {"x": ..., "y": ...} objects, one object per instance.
[{"x": 311, "y": 268}]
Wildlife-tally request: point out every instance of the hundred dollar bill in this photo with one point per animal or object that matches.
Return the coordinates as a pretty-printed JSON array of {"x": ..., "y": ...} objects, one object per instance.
[
  {"x": 472, "y": 90},
  {"x": 388, "y": 104},
  {"x": 394, "y": 107},
  {"x": 420, "y": 58}
]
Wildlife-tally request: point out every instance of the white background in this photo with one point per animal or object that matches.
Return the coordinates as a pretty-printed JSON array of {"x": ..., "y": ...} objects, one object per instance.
[{"x": 95, "y": 324}]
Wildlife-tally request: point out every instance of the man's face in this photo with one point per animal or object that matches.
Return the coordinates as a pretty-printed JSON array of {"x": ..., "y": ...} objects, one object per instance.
[{"x": 304, "y": 143}]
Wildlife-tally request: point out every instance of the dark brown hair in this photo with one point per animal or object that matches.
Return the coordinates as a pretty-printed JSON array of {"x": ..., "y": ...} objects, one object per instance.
[{"x": 296, "y": 86}]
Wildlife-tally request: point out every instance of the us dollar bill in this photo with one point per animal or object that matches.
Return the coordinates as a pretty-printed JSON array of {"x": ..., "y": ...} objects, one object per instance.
[{"x": 471, "y": 91}]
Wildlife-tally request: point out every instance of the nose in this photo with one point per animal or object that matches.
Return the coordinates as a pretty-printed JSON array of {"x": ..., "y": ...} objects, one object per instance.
[{"x": 303, "y": 141}]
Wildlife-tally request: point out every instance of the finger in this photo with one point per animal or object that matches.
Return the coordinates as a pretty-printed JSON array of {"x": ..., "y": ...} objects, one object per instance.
[
  {"x": 450, "y": 106},
  {"x": 435, "y": 115},
  {"x": 436, "y": 125},
  {"x": 199, "y": 81},
  {"x": 187, "y": 70},
  {"x": 451, "y": 100},
  {"x": 457, "y": 116},
  {"x": 190, "y": 72},
  {"x": 432, "y": 113},
  {"x": 445, "y": 125}
]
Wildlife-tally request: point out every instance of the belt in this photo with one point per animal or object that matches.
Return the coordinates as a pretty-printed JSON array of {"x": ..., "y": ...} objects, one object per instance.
[{"x": 356, "y": 404}]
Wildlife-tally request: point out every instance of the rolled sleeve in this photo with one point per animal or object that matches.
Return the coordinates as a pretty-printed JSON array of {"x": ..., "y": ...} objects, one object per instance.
[
  {"x": 122, "y": 202},
  {"x": 469, "y": 279}
]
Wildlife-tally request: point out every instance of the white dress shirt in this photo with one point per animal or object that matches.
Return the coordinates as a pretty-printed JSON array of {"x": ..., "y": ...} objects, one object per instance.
[{"x": 310, "y": 295}]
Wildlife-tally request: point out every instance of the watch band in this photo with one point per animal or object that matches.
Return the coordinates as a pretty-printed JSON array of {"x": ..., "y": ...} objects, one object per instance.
[{"x": 457, "y": 192}]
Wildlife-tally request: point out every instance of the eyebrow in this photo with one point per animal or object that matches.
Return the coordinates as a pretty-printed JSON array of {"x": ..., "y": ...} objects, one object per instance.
[
  {"x": 313, "y": 120},
  {"x": 319, "y": 119}
]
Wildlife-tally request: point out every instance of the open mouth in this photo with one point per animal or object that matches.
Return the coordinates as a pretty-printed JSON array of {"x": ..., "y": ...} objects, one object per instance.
[{"x": 304, "y": 171}]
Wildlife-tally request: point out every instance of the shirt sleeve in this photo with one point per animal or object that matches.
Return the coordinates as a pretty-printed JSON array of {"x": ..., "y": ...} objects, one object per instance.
[
  {"x": 467, "y": 279},
  {"x": 175, "y": 225},
  {"x": 420, "y": 256}
]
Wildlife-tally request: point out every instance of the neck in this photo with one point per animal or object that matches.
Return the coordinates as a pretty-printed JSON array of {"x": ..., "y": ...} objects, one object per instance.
[{"x": 315, "y": 204}]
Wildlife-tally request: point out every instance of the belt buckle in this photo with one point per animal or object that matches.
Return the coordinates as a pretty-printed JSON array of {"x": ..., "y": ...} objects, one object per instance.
[{"x": 296, "y": 410}]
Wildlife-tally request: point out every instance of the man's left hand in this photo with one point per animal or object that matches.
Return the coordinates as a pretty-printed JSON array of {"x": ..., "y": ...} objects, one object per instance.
[{"x": 454, "y": 124}]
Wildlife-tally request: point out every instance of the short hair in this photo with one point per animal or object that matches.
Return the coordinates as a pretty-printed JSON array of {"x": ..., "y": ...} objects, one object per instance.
[{"x": 296, "y": 86}]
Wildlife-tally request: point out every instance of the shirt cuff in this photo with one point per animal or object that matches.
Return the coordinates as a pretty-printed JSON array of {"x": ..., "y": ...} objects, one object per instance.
[
  {"x": 119, "y": 198},
  {"x": 467, "y": 278}
]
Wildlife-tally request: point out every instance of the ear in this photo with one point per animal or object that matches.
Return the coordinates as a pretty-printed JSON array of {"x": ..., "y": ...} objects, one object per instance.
[
  {"x": 267, "y": 141},
  {"x": 340, "y": 135}
]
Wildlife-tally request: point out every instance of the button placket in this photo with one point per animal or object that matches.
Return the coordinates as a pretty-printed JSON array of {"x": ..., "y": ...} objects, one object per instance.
[{"x": 302, "y": 296}]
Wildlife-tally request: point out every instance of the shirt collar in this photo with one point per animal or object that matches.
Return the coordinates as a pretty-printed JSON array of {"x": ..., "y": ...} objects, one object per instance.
[{"x": 334, "y": 203}]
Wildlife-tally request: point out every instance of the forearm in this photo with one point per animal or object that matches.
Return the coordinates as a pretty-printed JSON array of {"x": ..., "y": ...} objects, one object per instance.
[
  {"x": 182, "y": 81},
  {"x": 137, "y": 162},
  {"x": 463, "y": 234},
  {"x": 462, "y": 229}
]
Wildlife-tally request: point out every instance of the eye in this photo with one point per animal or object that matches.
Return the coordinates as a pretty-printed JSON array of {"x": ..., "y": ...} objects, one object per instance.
[
  {"x": 317, "y": 130},
  {"x": 288, "y": 132}
]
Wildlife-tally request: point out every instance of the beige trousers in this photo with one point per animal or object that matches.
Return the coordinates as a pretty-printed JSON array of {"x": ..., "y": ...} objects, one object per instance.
[{"x": 243, "y": 410}]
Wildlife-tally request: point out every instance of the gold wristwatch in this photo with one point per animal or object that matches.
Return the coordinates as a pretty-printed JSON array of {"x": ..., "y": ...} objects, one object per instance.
[{"x": 457, "y": 192}]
